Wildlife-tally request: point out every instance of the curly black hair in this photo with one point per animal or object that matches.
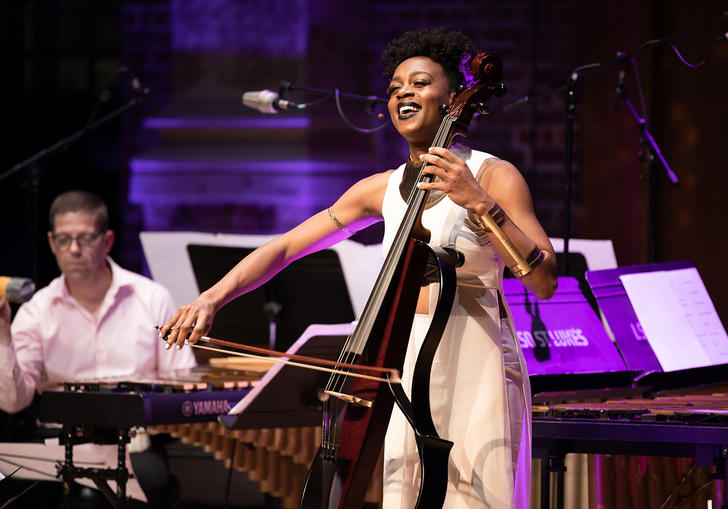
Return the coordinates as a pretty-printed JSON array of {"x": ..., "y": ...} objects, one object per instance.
[{"x": 447, "y": 48}]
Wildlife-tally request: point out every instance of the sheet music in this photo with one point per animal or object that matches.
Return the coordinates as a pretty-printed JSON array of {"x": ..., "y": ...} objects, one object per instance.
[
  {"x": 678, "y": 318},
  {"x": 599, "y": 254},
  {"x": 169, "y": 262},
  {"x": 336, "y": 329}
]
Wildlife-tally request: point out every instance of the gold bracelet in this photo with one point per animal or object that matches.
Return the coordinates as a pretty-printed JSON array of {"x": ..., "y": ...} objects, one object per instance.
[
  {"x": 532, "y": 261},
  {"x": 496, "y": 213},
  {"x": 339, "y": 224},
  {"x": 491, "y": 223}
]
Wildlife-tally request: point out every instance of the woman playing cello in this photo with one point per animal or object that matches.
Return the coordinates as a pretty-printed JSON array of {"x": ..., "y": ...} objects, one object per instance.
[{"x": 479, "y": 391}]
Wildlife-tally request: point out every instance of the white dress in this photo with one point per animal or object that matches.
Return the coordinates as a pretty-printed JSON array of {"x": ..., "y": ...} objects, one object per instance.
[{"x": 479, "y": 394}]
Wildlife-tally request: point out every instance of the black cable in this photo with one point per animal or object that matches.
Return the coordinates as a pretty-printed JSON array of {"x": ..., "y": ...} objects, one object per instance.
[
  {"x": 588, "y": 69},
  {"x": 347, "y": 122},
  {"x": 677, "y": 487},
  {"x": 371, "y": 102},
  {"x": 16, "y": 497}
]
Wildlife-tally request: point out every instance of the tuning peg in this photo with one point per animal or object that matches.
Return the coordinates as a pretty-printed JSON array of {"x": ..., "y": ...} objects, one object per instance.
[
  {"x": 481, "y": 108},
  {"x": 499, "y": 89}
]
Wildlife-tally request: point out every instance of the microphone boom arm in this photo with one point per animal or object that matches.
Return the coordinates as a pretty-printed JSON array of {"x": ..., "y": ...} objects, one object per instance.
[
  {"x": 42, "y": 154},
  {"x": 370, "y": 100}
]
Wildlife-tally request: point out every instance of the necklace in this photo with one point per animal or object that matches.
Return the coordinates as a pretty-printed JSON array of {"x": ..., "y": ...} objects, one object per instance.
[
  {"x": 412, "y": 170},
  {"x": 409, "y": 179}
]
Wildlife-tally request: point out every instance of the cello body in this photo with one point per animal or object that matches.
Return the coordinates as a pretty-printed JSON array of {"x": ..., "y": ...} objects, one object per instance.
[{"x": 334, "y": 478}]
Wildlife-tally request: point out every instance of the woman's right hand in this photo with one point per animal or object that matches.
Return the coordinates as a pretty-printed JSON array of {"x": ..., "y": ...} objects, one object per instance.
[{"x": 193, "y": 319}]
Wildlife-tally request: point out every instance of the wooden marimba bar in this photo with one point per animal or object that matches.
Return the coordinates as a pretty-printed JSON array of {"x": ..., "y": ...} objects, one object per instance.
[{"x": 277, "y": 459}]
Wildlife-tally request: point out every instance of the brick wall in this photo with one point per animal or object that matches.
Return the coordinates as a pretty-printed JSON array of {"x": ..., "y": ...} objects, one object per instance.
[{"x": 343, "y": 48}]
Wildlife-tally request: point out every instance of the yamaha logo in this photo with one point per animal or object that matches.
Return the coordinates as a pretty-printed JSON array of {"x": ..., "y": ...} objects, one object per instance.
[
  {"x": 187, "y": 409},
  {"x": 212, "y": 407}
]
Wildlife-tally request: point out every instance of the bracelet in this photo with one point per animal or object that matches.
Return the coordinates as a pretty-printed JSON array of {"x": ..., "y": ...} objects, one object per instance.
[
  {"x": 339, "y": 224},
  {"x": 492, "y": 224},
  {"x": 533, "y": 260},
  {"x": 496, "y": 213}
]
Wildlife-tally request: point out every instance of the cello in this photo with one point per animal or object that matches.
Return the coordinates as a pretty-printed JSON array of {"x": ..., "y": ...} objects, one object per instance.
[{"x": 356, "y": 411}]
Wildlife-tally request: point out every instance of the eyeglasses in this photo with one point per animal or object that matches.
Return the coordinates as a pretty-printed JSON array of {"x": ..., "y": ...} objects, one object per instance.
[{"x": 64, "y": 241}]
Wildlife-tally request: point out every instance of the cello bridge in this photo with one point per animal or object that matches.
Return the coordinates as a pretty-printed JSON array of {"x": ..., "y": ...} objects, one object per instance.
[{"x": 348, "y": 398}]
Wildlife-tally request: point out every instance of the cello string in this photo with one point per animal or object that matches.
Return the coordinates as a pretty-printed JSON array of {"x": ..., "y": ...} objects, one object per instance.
[
  {"x": 415, "y": 202},
  {"x": 354, "y": 343}
]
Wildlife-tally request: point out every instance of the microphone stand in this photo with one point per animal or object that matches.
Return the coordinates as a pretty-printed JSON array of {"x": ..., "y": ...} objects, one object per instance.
[
  {"x": 272, "y": 309},
  {"x": 647, "y": 140},
  {"x": 649, "y": 152},
  {"x": 571, "y": 97},
  {"x": 33, "y": 163}
]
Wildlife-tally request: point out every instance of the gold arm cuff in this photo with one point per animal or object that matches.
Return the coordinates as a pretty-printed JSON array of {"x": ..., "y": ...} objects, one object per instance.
[
  {"x": 491, "y": 223},
  {"x": 496, "y": 213},
  {"x": 533, "y": 260},
  {"x": 339, "y": 224}
]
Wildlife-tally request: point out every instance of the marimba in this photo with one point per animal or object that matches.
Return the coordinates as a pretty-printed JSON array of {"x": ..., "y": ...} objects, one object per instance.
[{"x": 682, "y": 424}]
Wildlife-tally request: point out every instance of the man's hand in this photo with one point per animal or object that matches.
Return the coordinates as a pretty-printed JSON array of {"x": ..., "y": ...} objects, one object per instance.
[{"x": 4, "y": 321}]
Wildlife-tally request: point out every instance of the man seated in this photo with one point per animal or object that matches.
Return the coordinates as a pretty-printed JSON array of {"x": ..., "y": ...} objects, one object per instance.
[{"x": 96, "y": 320}]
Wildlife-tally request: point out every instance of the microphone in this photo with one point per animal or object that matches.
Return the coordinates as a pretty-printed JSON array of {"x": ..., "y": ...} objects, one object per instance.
[
  {"x": 16, "y": 289},
  {"x": 267, "y": 101},
  {"x": 136, "y": 85},
  {"x": 618, "y": 90},
  {"x": 619, "y": 87}
]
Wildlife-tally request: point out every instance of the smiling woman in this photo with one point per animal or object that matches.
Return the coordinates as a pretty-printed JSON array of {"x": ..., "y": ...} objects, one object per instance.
[
  {"x": 417, "y": 90},
  {"x": 478, "y": 205}
]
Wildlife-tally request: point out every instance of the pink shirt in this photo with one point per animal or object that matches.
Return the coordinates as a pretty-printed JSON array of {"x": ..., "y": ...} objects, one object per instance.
[{"x": 54, "y": 339}]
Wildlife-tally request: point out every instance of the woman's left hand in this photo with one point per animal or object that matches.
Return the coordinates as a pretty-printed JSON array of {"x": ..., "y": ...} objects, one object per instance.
[{"x": 456, "y": 180}]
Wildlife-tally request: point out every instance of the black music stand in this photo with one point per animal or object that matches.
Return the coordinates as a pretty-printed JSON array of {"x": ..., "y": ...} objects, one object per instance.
[
  {"x": 310, "y": 290},
  {"x": 289, "y": 396}
]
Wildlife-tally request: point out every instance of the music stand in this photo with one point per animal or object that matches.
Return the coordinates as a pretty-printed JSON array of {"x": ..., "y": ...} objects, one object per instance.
[
  {"x": 288, "y": 396},
  {"x": 310, "y": 290},
  {"x": 630, "y": 338},
  {"x": 563, "y": 341}
]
